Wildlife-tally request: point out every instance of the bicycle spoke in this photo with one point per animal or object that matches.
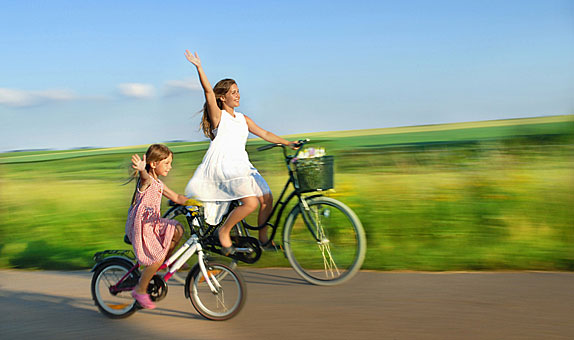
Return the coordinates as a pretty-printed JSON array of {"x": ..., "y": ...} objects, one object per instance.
[{"x": 329, "y": 265}]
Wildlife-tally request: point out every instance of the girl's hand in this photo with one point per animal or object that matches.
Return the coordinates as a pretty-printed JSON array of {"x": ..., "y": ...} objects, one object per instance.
[
  {"x": 194, "y": 59},
  {"x": 138, "y": 163}
]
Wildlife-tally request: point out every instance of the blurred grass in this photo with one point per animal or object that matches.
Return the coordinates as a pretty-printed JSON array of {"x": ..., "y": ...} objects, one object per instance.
[{"x": 469, "y": 196}]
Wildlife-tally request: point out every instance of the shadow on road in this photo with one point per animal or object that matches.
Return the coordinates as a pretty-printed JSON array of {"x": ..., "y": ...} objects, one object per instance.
[
  {"x": 75, "y": 318},
  {"x": 258, "y": 277}
]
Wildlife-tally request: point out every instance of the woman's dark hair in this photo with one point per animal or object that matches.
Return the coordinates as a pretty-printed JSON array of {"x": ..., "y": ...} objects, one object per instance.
[{"x": 220, "y": 89}]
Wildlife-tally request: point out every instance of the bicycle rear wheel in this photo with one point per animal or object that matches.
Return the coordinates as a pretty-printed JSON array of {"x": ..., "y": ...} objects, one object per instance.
[
  {"x": 119, "y": 304},
  {"x": 230, "y": 295},
  {"x": 338, "y": 251}
]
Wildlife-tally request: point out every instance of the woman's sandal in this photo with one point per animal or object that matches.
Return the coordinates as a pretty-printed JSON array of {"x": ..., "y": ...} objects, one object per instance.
[
  {"x": 226, "y": 251},
  {"x": 270, "y": 246}
]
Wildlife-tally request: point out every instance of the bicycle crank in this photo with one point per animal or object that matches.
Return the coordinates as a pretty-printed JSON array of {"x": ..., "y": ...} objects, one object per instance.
[{"x": 157, "y": 288}]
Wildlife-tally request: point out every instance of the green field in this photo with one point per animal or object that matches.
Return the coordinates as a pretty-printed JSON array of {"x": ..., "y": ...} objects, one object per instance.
[{"x": 469, "y": 196}]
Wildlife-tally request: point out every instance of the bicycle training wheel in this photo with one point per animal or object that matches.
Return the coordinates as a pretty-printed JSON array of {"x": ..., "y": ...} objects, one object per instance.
[
  {"x": 178, "y": 214},
  {"x": 230, "y": 295},
  {"x": 114, "y": 305},
  {"x": 339, "y": 249}
]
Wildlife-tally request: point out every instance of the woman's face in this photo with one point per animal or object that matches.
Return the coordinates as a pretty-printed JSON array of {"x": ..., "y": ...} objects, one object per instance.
[{"x": 231, "y": 98}]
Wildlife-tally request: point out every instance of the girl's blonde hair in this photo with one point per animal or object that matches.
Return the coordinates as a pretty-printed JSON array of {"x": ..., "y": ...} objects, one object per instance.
[
  {"x": 155, "y": 153},
  {"x": 220, "y": 89}
]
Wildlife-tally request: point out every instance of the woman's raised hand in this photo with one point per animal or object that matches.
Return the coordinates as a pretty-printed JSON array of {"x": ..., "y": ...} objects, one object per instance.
[
  {"x": 138, "y": 163},
  {"x": 193, "y": 58}
]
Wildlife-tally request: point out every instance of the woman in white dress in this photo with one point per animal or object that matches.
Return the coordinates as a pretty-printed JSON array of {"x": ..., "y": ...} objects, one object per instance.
[{"x": 226, "y": 174}]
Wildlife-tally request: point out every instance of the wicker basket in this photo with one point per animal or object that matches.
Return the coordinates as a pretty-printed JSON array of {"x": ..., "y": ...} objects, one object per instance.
[{"x": 314, "y": 174}]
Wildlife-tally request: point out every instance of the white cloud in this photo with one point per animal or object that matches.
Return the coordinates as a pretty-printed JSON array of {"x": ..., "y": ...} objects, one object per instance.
[
  {"x": 136, "y": 90},
  {"x": 178, "y": 87},
  {"x": 20, "y": 98}
]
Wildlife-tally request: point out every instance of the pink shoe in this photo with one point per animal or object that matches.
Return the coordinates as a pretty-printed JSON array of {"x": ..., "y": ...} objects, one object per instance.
[{"x": 143, "y": 299}]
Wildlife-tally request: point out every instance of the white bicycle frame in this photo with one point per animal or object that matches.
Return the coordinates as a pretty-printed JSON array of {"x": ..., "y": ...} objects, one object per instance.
[{"x": 187, "y": 250}]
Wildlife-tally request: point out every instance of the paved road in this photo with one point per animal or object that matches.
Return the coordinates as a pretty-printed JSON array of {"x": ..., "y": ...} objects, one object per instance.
[{"x": 526, "y": 305}]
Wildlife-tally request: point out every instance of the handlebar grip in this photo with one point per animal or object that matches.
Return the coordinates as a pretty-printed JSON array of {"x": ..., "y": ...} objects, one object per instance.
[{"x": 302, "y": 142}]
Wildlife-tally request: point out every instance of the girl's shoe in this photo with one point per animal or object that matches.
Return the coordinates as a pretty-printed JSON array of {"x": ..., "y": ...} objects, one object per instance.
[{"x": 143, "y": 299}]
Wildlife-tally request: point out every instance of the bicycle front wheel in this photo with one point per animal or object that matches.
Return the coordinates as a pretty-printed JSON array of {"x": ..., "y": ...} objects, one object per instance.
[
  {"x": 226, "y": 302},
  {"x": 327, "y": 249}
]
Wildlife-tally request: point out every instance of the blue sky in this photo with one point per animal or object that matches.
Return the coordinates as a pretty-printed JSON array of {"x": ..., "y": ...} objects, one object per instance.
[{"x": 113, "y": 73}]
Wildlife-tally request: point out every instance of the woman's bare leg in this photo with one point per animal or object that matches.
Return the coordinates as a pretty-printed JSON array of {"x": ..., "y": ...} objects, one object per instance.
[
  {"x": 249, "y": 204},
  {"x": 265, "y": 208}
]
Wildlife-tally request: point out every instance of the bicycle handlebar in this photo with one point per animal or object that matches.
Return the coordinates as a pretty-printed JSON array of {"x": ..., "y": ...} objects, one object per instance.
[
  {"x": 298, "y": 144},
  {"x": 268, "y": 146}
]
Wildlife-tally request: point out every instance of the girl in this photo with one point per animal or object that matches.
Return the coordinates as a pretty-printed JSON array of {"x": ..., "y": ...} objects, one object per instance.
[
  {"x": 226, "y": 174},
  {"x": 152, "y": 237}
]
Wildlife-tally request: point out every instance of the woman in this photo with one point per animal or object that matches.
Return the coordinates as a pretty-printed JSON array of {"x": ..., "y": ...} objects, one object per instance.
[{"x": 226, "y": 174}]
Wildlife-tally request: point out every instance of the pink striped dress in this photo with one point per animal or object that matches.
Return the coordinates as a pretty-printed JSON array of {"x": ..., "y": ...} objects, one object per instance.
[{"x": 149, "y": 233}]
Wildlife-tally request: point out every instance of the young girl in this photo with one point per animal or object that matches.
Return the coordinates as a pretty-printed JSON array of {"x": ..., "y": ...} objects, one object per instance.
[
  {"x": 152, "y": 237},
  {"x": 226, "y": 174}
]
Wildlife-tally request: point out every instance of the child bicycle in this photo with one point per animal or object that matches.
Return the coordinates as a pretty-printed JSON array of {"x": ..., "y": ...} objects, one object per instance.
[
  {"x": 216, "y": 291},
  {"x": 323, "y": 239}
]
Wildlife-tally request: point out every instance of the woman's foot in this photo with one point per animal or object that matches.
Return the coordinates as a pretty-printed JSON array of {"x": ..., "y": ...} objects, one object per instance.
[
  {"x": 270, "y": 246},
  {"x": 143, "y": 299},
  {"x": 224, "y": 240},
  {"x": 227, "y": 251}
]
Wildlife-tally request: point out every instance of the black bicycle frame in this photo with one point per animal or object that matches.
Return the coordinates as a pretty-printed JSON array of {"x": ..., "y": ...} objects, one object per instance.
[{"x": 302, "y": 204}]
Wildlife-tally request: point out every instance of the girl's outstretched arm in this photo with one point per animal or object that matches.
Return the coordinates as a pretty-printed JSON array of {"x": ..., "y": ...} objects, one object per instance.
[
  {"x": 214, "y": 110},
  {"x": 177, "y": 198},
  {"x": 139, "y": 165},
  {"x": 266, "y": 135}
]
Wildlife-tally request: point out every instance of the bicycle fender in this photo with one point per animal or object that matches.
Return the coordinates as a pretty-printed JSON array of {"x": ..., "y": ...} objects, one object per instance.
[{"x": 126, "y": 260}]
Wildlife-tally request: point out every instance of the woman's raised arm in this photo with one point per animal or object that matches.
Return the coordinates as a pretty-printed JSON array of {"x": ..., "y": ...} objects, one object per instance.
[{"x": 214, "y": 110}]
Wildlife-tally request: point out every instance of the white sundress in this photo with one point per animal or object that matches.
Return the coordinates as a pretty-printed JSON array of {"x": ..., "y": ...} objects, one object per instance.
[{"x": 226, "y": 174}]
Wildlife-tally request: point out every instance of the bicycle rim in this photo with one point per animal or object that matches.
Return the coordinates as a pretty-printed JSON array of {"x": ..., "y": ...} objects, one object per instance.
[
  {"x": 341, "y": 248},
  {"x": 117, "y": 305},
  {"x": 228, "y": 300}
]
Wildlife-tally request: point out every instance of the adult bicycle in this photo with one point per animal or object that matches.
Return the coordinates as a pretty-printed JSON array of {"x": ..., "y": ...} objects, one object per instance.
[{"x": 323, "y": 239}]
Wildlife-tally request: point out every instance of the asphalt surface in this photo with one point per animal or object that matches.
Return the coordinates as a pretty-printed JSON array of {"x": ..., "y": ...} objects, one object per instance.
[{"x": 373, "y": 305}]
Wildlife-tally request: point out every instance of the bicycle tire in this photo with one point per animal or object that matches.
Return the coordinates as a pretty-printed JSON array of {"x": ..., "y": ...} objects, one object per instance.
[
  {"x": 224, "y": 304},
  {"x": 119, "y": 305},
  {"x": 341, "y": 251}
]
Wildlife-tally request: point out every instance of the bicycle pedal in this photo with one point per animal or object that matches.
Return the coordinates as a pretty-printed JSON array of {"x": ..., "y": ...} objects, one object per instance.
[{"x": 244, "y": 250}]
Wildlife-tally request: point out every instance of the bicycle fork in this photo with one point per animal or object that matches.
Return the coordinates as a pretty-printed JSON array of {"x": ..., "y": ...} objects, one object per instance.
[
  {"x": 315, "y": 227},
  {"x": 181, "y": 256}
]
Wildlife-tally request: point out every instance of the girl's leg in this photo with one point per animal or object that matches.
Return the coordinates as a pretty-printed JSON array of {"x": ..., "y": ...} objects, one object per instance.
[
  {"x": 265, "y": 208},
  {"x": 177, "y": 234},
  {"x": 249, "y": 204},
  {"x": 147, "y": 274},
  {"x": 149, "y": 271}
]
